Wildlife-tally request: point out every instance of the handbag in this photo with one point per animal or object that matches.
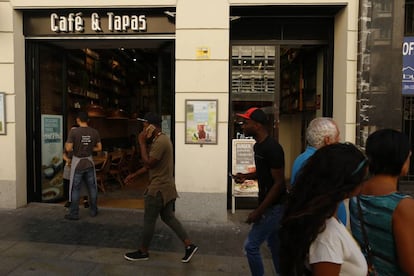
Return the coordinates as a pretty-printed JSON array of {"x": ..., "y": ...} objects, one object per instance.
[{"x": 367, "y": 247}]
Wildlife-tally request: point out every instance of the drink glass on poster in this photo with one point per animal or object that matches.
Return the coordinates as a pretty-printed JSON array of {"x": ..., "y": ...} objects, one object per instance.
[
  {"x": 2, "y": 113},
  {"x": 201, "y": 122}
]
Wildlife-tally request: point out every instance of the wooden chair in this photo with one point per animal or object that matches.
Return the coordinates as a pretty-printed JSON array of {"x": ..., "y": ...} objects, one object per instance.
[
  {"x": 119, "y": 167},
  {"x": 132, "y": 160},
  {"x": 102, "y": 172}
]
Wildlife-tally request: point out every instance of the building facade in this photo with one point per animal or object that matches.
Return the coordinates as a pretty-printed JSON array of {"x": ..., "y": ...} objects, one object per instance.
[{"x": 295, "y": 60}]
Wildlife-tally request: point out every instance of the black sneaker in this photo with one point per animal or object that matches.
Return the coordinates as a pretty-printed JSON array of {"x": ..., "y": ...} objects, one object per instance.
[
  {"x": 67, "y": 204},
  {"x": 136, "y": 256},
  {"x": 70, "y": 217},
  {"x": 189, "y": 252},
  {"x": 93, "y": 213}
]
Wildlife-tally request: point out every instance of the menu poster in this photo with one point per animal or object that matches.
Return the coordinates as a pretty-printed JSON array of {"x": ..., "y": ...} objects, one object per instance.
[
  {"x": 52, "y": 162},
  {"x": 243, "y": 162},
  {"x": 243, "y": 156}
]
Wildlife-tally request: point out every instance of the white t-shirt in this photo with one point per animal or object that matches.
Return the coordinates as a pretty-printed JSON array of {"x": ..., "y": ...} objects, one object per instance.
[{"x": 336, "y": 245}]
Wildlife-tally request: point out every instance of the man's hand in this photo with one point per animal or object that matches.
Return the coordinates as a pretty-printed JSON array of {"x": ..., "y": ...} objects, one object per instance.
[
  {"x": 129, "y": 178},
  {"x": 240, "y": 177},
  {"x": 253, "y": 217}
]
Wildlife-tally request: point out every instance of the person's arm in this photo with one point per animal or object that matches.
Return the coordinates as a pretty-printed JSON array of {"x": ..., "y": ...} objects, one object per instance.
[
  {"x": 148, "y": 161},
  {"x": 97, "y": 147},
  {"x": 272, "y": 195},
  {"x": 65, "y": 157},
  {"x": 68, "y": 147},
  {"x": 403, "y": 228},
  {"x": 325, "y": 269},
  {"x": 69, "y": 142},
  {"x": 131, "y": 176}
]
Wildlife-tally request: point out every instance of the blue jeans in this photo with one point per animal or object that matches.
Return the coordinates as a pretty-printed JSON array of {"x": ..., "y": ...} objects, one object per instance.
[
  {"x": 267, "y": 228},
  {"x": 88, "y": 177}
]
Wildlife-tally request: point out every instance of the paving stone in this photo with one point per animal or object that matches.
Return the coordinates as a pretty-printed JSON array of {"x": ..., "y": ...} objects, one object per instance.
[{"x": 37, "y": 240}]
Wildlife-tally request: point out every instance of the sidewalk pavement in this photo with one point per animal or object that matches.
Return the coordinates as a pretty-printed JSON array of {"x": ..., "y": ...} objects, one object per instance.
[{"x": 36, "y": 240}]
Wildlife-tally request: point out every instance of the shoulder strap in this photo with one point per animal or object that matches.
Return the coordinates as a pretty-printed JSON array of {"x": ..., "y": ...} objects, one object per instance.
[{"x": 367, "y": 247}]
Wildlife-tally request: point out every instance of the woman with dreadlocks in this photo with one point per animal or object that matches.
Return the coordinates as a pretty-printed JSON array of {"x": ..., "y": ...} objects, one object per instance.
[{"x": 313, "y": 240}]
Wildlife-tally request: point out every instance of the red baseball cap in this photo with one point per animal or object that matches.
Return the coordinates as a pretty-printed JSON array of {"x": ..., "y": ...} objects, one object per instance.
[{"x": 255, "y": 114}]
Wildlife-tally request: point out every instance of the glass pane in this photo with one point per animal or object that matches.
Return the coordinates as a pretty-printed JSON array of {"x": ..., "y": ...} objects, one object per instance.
[
  {"x": 253, "y": 83},
  {"x": 51, "y": 108},
  {"x": 409, "y": 18}
]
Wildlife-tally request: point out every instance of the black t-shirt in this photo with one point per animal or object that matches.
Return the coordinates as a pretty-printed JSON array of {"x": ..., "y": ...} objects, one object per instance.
[
  {"x": 84, "y": 139},
  {"x": 267, "y": 155}
]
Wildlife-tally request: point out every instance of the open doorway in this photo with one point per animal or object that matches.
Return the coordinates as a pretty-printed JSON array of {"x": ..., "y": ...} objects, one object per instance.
[
  {"x": 289, "y": 83},
  {"x": 286, "y": 81},
  {"x": 116, "y": 82},
  {"x": 282, "y": 62}
]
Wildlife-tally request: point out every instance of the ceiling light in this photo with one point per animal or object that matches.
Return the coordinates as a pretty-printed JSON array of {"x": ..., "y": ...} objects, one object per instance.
[{"x": 170, "y": 14}]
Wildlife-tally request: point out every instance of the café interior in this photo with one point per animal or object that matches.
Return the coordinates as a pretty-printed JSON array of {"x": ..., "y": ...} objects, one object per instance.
[{"x": 116, "y": 82}]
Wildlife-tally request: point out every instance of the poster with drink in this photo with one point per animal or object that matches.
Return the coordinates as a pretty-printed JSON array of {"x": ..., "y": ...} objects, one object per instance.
[{"x": 201, "y": 122}]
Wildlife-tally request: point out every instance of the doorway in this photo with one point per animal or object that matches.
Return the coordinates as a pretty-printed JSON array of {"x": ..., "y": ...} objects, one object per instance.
[
  {"x": 115, "y": 81},
  {"x": 285, "y": 81},
  {"x": 282, "y": 62}
]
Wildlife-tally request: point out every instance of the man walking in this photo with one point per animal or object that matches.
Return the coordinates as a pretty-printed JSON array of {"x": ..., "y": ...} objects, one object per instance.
[
  {"x": 322, "y": 131},
  {"x": 82, "y": 141},
  {"x": 161, "y": 193},
  {"x": 270, "y": 163}
]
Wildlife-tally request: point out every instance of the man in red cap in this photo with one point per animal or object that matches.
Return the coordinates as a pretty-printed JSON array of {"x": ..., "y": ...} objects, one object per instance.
[{"x": 270, "y": 168}]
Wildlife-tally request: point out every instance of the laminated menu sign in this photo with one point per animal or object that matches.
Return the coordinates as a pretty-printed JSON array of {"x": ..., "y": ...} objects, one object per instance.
[
  {"x": 52, "y": 162},
  {"x": 243, "y": 162},
  {"x": 243, "y": 155}
]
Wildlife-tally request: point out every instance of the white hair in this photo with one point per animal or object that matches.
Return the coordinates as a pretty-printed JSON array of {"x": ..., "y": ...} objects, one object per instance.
[{"x": 318, "y": 129}]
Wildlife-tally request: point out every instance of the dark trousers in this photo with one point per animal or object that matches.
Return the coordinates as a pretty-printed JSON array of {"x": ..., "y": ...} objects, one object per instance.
[{"x": 154, "y": 207}]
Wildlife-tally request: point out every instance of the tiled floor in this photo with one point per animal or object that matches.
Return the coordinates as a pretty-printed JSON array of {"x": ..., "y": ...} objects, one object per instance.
[{"x": 130, "y": 196}]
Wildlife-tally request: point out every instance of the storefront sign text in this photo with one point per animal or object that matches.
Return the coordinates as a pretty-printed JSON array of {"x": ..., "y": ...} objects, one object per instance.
[
  {"x": 408, "y": 66},
  {"x": 75, "y": 23}
]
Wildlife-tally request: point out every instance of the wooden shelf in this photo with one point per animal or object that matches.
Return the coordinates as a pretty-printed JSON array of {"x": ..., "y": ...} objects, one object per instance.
[{"x": 96, "y": 77}]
